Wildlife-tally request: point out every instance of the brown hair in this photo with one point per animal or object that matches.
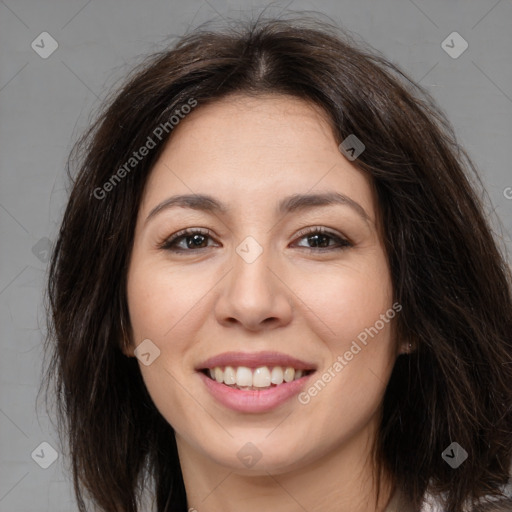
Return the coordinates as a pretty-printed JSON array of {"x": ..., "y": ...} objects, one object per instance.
[
  {"x": 447, "y": 270},
  {"x": 502, "y": 505}
]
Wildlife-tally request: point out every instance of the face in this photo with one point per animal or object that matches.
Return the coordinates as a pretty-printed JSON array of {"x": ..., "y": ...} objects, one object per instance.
[{"x": 258, "y": 280}]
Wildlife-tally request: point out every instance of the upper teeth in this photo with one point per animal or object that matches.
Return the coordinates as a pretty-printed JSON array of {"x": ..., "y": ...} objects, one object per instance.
[{"x": 261, "y": 377}]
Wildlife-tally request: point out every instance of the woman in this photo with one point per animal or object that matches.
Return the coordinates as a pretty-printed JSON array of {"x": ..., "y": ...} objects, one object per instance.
[{"x": 274, "y": 289}]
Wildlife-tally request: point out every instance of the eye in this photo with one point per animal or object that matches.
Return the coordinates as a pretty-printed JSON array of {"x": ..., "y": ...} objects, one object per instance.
[
  {"x": 320, "y": 238},
  {"x": 193, "y": 239}
]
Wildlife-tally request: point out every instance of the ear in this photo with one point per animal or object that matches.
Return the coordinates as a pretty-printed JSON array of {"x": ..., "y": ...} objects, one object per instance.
[
  {"x": 125, "y": 344},
  {"x": 406, "y": 347},
  {"x": 128, "y": 351}
]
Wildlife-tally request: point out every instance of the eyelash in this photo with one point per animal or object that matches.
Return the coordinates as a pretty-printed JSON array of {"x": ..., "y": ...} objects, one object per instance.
[{"x": 169, "y": 243}]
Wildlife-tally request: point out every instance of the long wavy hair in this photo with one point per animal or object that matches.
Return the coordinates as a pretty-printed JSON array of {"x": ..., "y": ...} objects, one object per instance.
[{"x": 448, "y": 272}]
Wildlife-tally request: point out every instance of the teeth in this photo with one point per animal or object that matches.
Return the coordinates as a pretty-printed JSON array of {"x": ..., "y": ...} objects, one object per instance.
[
  {"x": 229, "y": 376},
  {"x": 243, "y": 376},
  {"x": 258, "y": 378},
  {"x": 261, "y": 377},
  {"x": 277, "y": 375},
  {"x": 219, "y": 376},
  {"x": 289, "y": 374}
]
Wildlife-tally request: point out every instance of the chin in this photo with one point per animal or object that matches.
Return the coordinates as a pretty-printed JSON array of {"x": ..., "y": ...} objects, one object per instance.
[{"x": 257, "y": 454}]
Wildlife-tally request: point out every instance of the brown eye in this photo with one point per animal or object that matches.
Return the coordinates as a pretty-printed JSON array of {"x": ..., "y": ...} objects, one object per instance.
[
  {"x": 322, "y": 239},
  {"x": 186, "y": 240}
]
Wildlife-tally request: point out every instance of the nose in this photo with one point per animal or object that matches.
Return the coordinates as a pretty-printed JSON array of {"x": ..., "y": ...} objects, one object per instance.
[{"x": 254, "y": 296}]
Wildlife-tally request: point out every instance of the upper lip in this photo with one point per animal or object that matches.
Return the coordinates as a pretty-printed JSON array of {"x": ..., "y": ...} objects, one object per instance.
[{"x": 255, "y": 360}]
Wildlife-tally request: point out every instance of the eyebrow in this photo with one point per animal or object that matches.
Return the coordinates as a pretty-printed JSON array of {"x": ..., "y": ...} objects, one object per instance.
[{"x": 293, "y": 203}]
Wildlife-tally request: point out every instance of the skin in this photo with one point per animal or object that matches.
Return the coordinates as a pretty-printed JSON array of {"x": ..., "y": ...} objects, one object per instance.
[{"x": 249, "y": 153}]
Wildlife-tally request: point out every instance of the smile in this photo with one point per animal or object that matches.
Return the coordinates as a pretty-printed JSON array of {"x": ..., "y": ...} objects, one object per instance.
[
  {"x": 254, "y": 382},
  {"x": 245, "y": 378}
]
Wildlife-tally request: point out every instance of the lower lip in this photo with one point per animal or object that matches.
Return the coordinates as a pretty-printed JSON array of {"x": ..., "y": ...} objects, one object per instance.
[{"x": 254, "y": 401}]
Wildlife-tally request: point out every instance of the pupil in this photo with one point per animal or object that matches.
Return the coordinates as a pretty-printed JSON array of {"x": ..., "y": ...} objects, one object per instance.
[
  {"x": 196, "y": 241},
  {"x": 313, "y": 240}
]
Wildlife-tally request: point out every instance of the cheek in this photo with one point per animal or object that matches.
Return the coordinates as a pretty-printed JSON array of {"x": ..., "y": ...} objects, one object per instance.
[
  {"x": 161, "y": 300},
  {"x": 347, "y": 305},
  {"x": 145, "y": 305},
  {"x": 161, "y": 309},
  {"x": 343, "y": 301}
]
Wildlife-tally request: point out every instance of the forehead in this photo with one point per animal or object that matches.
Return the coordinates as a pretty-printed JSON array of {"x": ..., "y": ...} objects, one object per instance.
[
  {"x": 265, "y": 123},
  {"x": 244, "y": 149}
]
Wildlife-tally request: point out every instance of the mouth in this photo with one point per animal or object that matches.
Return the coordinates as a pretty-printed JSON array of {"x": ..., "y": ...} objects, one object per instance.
[
  {"x": 255, "y": 379},
  {"x": 254, "y": 382}
]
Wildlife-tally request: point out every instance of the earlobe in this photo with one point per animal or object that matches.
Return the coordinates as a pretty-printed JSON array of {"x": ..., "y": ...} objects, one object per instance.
[
  {"x": 128, "y": 351},
  {"x": 126, "y": 347},
  {"x": 406, "y": 348},
  {"x": 125, "y": 343}
]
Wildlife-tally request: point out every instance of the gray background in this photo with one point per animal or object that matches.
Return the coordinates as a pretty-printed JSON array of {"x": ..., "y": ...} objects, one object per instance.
[{"x": 46, "y": 103}]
